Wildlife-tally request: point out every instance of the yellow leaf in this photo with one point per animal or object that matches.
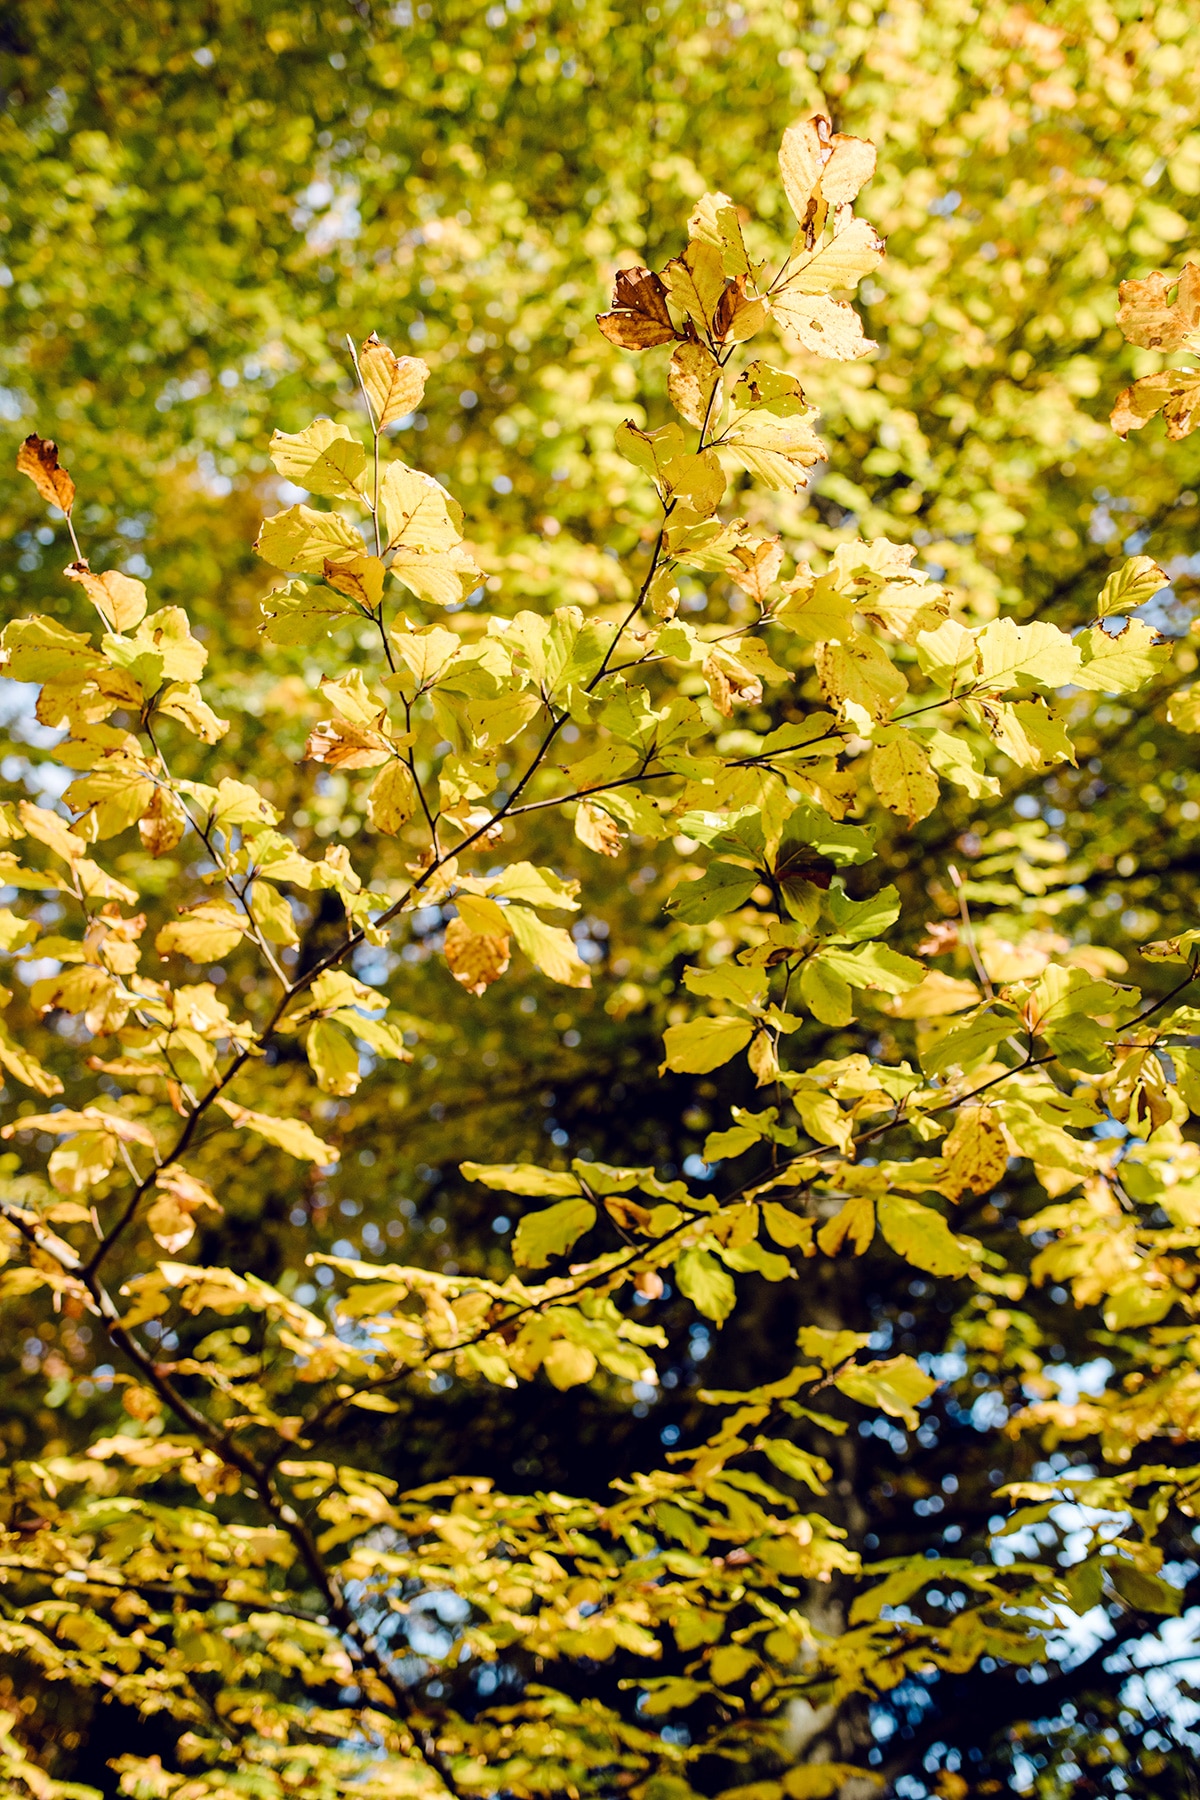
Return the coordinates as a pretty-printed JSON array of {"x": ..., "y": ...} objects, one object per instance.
[
  {"x": 324, "y": 458},
  {"x": 443, "y": 577},
  {"x": 24, "y": 1067},
  {"x": 1147, "y": 319},
  {"x": 273, "y": 915},
  {"x": 360, "y": 578},
  {"x": 395, "y": 384},
  {"x": 549, "y": 947},
  {"x": 342, "y": 744},
  {"x": 1010, "y": 653},
  {"x": 304, "y": 540},
  {"x": 568, "y": 1365},
  {"x": 417, "y": 511},
  {"x": 696, "y": 281},
  {"x": 693, "y": 377},
  {"x": 292, "y": 1135},
  {"x": 854, "y": 1221},
  {"x": 935, "y": 997},
  {"x": 780, "y": 452},
  {"x": 163, "y": 823},
  {"x": 182, "y": 701},
  {"x": 897, "y": 1386},
  {"x": 333, "y": 1058},
  {"x": 1121, "y": 662},
  {"x": 801, "y": 158},
  {"x": 594, "y": 828},
  {"x": 903, "y": 778},
  {"x": 840, "y": 263},
  {"x": 119, "y": 599},
  {"x": 38, "y": 458},
  {"x": 704, "y": 1044},
  {"x": 481, "y": 915},
  {"x": 205, "y": 934},
  {"x": 922, "y": 1237},
  {"x": 861, "y": 674},
  {"x": 393, "y": 797},
  {"x": 976, "y": 1153},
  {"x": 542, "y": 1235},
  {"x": 475, "y": 958},
  {"x": 829, "y": 328}
]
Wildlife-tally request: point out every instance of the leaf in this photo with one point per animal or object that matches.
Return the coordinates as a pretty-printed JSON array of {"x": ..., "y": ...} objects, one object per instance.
[
  {"x": 292, "y": 1135},
  {"x": 1175, "y": 393},
  {"x": 1146, "y": 317},
  {"x": 40, "y": 649},
  {"x": 183, "y": 701},
  {"x": 897, "y": 1386},
  {"x": 566, "y": 1364},
  {"x": 874, "y": 965},
  {"x": 829, "y": 328},
  {"x": 786, "y": 1227},
  {"x": 324, "y": 458},
  {"x": 475, "y": 958},
  {"x": 38, "y": 458},
  {"x": 696, "y": 281},
  {"x": 359, "y": 578},
  {"x": 862, "y": 675},
  {"x": 824, "y": 1781},
  {"x": 975, "y": 1153},
  {"x": 417, "y": 512},
  {"x": 333, "y": 1058},
  {"x": 704, "y": 1044},
  {"x": 709, "y": 1287},
  {"x": 443, "y": 577},
  {"x": 395, "y": 384},
  {"x": 1183, "y": 708},
  {"x": 392, "y": 800},
  {"x": 305, "y": 540},
  {"x": 721, "y": 889},
  {"x": 302, "y": 613},
  {"x": 1144, "y": 1592},
  {"x": 521, "y": 1178},
  {"x": 536, "y": 887},
  {"x": 841, "y": 262},
  {"x": 825, "y": 993},
  {"x": 780, "y": 452},
  {"x": 1010, "y": 654},
  {"x": 1121, "y": 662},
  {"x": 801, "y": 159},
  {"x": 543, "y": 1235},
  {"x": 594, "y": 828},
  {"x": 693, "y": 378},
  {"x": 903, "y": 778},
  {"x": 205, "y": 933},
  {"x": 922, "y": 1237},
  {"x": 119, "y": 599},
  {"x": 343, "y": 744},
  {"x": 935, "y": 996},
  {"x": 1130, "y": 586},
  {"x": 640, "y": 317},
  {"x": 549, "y": 948},
  {"x": 24, "y": 1067},
  {"x": 853, "y": 1222}
]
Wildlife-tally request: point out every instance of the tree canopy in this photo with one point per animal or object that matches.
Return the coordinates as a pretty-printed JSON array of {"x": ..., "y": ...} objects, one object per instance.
[{"x": 599, "y": 1192}]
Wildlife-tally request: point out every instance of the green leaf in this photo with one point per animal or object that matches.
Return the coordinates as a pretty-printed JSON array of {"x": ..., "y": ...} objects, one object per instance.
[
  {"x": 860, "y": 919},
  {"x": 721, "y": 889},
  {"x": 333, "y": 1058},
  {"x": 1121, "y": 662},
  {"x": 543, "y": 1235},
  {"x": 874, "y": 966}
]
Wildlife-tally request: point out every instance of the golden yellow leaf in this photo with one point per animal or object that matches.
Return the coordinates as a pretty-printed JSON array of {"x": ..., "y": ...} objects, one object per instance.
[
  {"x": 344, "y": 744},
  {"x": 594, "y": 828},
  {"x": 854, "y": 1221},
  {"x": 38, "y": 458},
  {"x": 549, "y": 947},
  {"x": 395, "y": 384},
  {"x": 1147, "y": 319},
  {"x": 801, "y": 157},
  {"x": 304, "y": 540},
  {"x": 119, "y": 599},
  {"x": 829, "y": 328},
  {"x": 903, "y": 777},
  {"x": 695, "y": 281},
  {"x": 475, "y": 958},
  {"x": 693, "y": 378},
  {"x": 324, "y": 458},
  {"x": 292, "y": 1135},
  {"x": 976, "y": 1152},
  {"x": 417, "y": 511},
  {"x": 163, "y": 823},
  {"x": 205, "y": 933},
  {"x": 360, "y": 578},
  {"x": 393, "y": 797}
]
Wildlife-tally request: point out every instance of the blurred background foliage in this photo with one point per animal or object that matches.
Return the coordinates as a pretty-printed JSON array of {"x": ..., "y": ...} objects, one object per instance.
[{"x": 199, "y": 200}]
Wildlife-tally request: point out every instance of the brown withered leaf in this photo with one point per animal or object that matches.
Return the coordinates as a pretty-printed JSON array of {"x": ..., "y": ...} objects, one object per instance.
[
  {"x": 738, "y": 316},
  {"x": 38, "y": 458},
  {"x": 395, "y": 384},
  {"x": 639, "y": 318},
  {"x": 594, "y": 828},
  {"x": 475, "y": 959},
  {"x": 343, "y": 744},
  {"x": 1146, "y": 317}
]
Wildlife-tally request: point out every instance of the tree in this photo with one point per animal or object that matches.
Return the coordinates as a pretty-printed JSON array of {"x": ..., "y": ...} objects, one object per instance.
[
  {"x": 975, "y": 467},
  {"x": 301, "y": 1564}
]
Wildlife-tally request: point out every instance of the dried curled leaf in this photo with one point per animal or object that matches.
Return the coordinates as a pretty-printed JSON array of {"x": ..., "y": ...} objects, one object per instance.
[
  {"x": 639, "y": 318},
  {"x": 38, "y": 458}
]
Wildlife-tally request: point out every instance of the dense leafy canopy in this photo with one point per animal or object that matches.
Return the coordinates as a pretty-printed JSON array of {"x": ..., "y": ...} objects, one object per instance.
[{"x": 754, "y": 735}]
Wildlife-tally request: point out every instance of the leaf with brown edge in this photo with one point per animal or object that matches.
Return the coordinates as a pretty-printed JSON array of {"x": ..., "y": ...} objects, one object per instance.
[
  {"x": 829, "y": 328},
  {"x": 639, "y": 319},
  {"x": 393, "y": 797},
  {"x": 395, "y": 384},
  {"x": 163, "y": 823},
  {"x": 119, "y": 599},
  {"x": 696, "y": 281},
  {"x": 38, "y": 458},
  {"x": 1147, "y": 318},
  {"x": 739, "y": 316},
  {"x": 759, "y": 561},
  {"x": 343, "y": 744},
  {"x": 475, "y": 958},
  {"x": 903, "y": 778},
  {"x": 801, "y": 159}
]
